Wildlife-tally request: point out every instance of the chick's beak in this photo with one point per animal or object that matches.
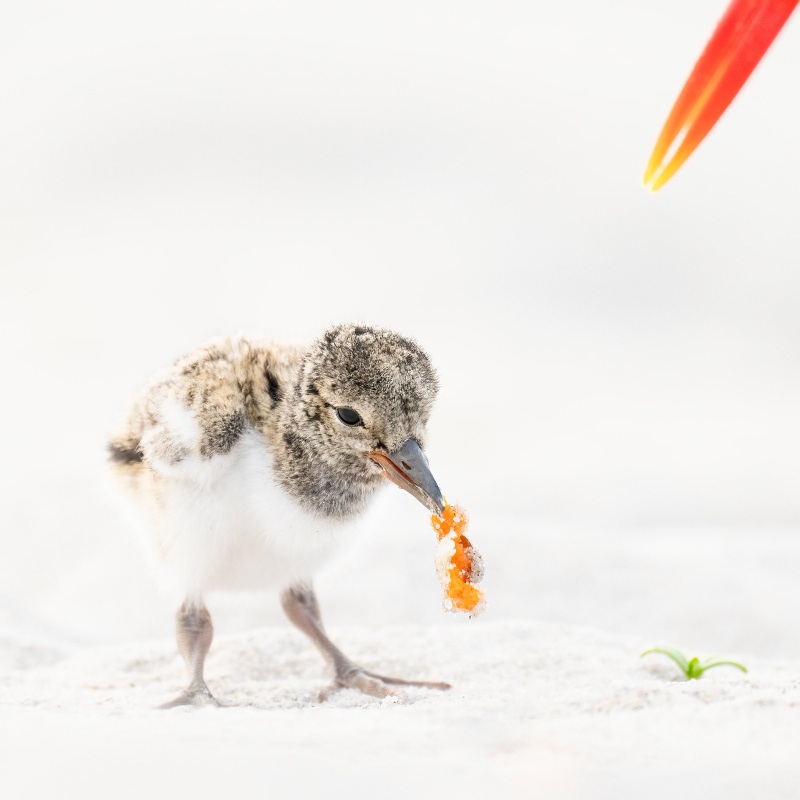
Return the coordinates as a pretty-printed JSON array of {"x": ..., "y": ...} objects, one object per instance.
[{"x": 408, "y": 468}]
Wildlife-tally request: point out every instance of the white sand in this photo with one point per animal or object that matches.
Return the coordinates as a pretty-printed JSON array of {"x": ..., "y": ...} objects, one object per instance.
[{"x": 537, "y": 709}]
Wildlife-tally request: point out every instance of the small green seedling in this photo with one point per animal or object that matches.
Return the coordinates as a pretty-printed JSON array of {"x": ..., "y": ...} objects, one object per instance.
[{"x": 694, "y": 668}]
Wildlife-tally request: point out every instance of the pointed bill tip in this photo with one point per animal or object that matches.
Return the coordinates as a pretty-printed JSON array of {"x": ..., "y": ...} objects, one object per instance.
[{"x": 408, "y": 468}]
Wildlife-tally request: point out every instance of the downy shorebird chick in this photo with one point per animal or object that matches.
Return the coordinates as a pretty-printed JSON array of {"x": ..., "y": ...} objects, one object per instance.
[{"x": 252, "y": 460}]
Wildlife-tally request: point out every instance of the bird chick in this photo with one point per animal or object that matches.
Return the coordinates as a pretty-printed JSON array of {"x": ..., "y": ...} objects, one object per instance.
[{"x": 252, "y": 460}]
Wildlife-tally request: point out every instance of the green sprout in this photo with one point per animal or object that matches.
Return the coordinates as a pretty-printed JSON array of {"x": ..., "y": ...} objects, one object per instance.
[{"x": 694, "y": 668}]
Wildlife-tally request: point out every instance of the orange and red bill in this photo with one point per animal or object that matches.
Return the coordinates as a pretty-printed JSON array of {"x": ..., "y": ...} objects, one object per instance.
[{"x": 742, "y": 37}]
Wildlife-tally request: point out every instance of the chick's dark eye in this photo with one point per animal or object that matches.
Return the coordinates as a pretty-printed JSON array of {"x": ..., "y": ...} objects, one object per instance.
[{"x": 348, "y": 416}]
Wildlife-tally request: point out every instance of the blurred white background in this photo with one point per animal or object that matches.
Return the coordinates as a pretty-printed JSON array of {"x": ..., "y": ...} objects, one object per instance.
[{"x": 468, "y": 173}]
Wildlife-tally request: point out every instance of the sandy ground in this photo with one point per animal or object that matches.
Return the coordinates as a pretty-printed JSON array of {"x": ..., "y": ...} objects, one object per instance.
[
  {"x": 549, "y": 697},
  {"x": 535, "y": 710}
]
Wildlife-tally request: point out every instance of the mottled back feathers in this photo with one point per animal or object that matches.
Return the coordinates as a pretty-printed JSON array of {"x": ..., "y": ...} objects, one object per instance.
[{"x": 289, "y": 396}]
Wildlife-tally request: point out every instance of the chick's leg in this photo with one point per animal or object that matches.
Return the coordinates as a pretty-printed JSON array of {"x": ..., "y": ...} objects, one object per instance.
[
  {"x": 194, "y": 633},
  {"x": 300, "y": 604}
]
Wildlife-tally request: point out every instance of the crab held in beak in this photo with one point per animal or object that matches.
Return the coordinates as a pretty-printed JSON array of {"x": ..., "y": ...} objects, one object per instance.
[
  {"x": 408, "y": 468},
  {"x": 743, "y": 35}
]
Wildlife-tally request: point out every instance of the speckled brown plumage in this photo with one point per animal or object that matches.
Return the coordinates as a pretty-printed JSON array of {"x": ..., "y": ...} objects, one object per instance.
[
  {"x": 288, "y": 395},
  {"x": 252, "y": 460}
]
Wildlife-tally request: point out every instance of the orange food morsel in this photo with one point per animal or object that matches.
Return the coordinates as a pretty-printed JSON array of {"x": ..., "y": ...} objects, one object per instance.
[{"x": 459, "y": 564}]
